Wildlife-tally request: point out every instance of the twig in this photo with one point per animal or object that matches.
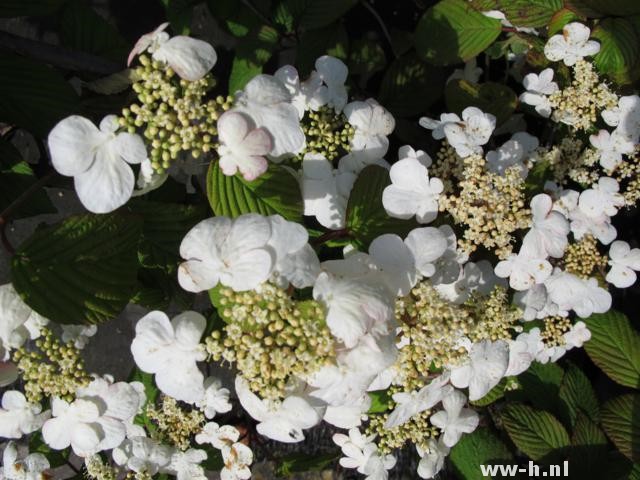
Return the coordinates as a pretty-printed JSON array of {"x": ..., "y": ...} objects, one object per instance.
[
  {"x": 332, "y": 235},
  {"x": 57, "y": 56},
  {"x": 386, "y": 33}
]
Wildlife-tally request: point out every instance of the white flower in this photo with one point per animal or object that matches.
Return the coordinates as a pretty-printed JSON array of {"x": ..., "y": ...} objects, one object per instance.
[
  {"x": 356, "y": 447},
  {"x": 583, "y": 223},
  {"x": 468, "y": 136},
  {"x": 97, "y": 159},
  {"x": 377, "y": 466},
  {"x": 266, "y": 100},
  {"x": 539, "y": 87},
  {"x": 625, "y": 116},
  {"x": 395, "y": 261},
  {"x": 623, "y": 261},
  {"x": 406, "y": 151},
  {"x": 454, "y": 420},
  {"x": 34, "y": 466},
  {"x": 584, "y": 296},
  {"x": 190, "y": 58},
  {"x": 412, "y": 192},
  {"x": 426, "y": 245},
  {"x": 186, "y": 465},
  {"x": 220, "y": 437},
  {"x": 333, "y": 73},
  {"x": 231, "y": 252},
  {"x": 520, "y": 356},
  {"x": 512, "y": 153},
  {"x": 572, "y": 45},
  {"x": 325, "y": 191},
  {"x": 602, "y": 198},
  {"x": 437, "y": 126},
  {"x": 237, "y": 459},
  {"x": 78, "y": 334},
  {"x": 215, "y": 399},
  {"x": 549, "y": 228},
  {"x": 448, "y": 265},
  {"x": 524, "y": 269},
  {"x": 577, "y": 335},
  {"x": 307, "y": 95},
  {"x": 142, "y": 455},
  {"x": 170, "y": 350},
  {"x": 533, "y": 302},
  {"x": 483, "y": 370},
  {"x": 409, "y": 404},
  {"x": 242, "y": 147},
  {"x": 474, "y": 277},
  {"x": 283, "y": 423},
  {"x": 19, "y": 417},
  {"x": 432, "y": 461},
  {"x": 19, "y": 322},
  {"x": 348, "y": 415},
  {"x": 611, "y": 147},
  {"x": 74, "y": 424},
  {"x": 471, "y": 72}
]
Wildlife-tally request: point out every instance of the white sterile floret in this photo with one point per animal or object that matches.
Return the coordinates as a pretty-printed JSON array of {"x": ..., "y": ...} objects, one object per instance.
[
  {"x": 432, "y": 460},
  {"x": 215, "y": 399},
  {"x": 74, "y": 424},
  {"x": 468, "y": 136},
  {"x": 409, "y": 404},
  {"x": 395, "y": 261},
  {"x": 412, "y": 192},
  {"x": 473, "y": 277},
  {"x": 242, "y": 147},
  {"x": 407, "y": 151},
  {"x": 190, "y": 58},
  {"x": 512, "y": 153},
  {"x": 427, "y": 245},
  {"x": 539, "y": 87},
  {"x": 449, "y": 264},
  {"x": 524, "y": 269},
  {"x": 520, "y": 357},
  {"x": 454, "y": 420},
  {"x": 549, "y": 228},
  {"x": 534, "y": 303},
  {"x": 171, "y": 350},
  {"x": 348, "y": 415},
  {"x": 19, "y": 322},
  {"x": 234, "y": 253},
  {"x": 623, "y": 261},
  {"x": 220, "y": 437},
  {"x": 361, "y": 453},
  {"x": 577, "y": 335},
  {"x": 78, "y": 334},
  {"x": 18, "y": 416},
  {"x": 307, "y": 95},
  {"x": 284, "y": 422},
  {"x": 325, "y": 191},
  {"x": 266, "y": 100},
  {"x": 572, "y": 45},
  {"x": 142, "y": 455},
  {"x": 237, "y": 460},
  {"x": 187, "y": 465},
  {"x": 483, "y": 369},
  {"x": 582, "y": 221},
  {"x": 437, "y": 126},
  {"x": 470, "y": 73},
  {"x": 611, "y": 147},
  {"x": 97, "y": 159},
  {"x": 602, "y": 198},
  {"x": 333, "y": 73},
  {"x": 15, "y": 466},
  {"x": 583, "y": 296},
  {"x": 625, "y": 116}
]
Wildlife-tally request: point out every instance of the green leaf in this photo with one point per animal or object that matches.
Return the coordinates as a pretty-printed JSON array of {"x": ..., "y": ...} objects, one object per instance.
[
  {"x": 82, "y": 270},
  {"x": 366, "y": 57},
  {"x": 587, "y": 432},
  {"x": 300, "y": 462},
  {"x": 312, "y": 14},
  {"x": 560, "y": 19},
  {"x": 366, "y": 217},
  {"x": 410, "y": 85},
  {"x": 619, "y": 51},
  {"x": 34, "y": 96},
  {"x": 482, "y": 447},
  {"x": 608, "y": 7},
  {"x": 274, "y": 192},
  {"x": 489, "y": 97},
  {"x": 578, "y": 394},
  {"x": 81, "y": 28},
  {"x": 528, "y": 13},
  {"x": 615, "y": 347},
  {"x": 115, "y": 83},
  {"x": 252, "y": 52},
  {"x": 540, "y": 385},
  {"x": 537, "y": 177},
  {"x": 496, "y": 393},
  {"x": 331, "y": 40},
  {"x": 621, "y": 422},
  {"x": 589, "y": 448},
  {"x": 180, "y": 14},
  {"x": 453, "y": 32},
  {"x": 16, "y": 177},
  {"x": 24, "y": 8},
  {"x": 535, "y": 432},
  {"x": 380, "y": 401}
]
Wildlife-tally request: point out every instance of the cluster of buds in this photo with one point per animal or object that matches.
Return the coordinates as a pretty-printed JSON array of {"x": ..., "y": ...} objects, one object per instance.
[
  {"x": 175, "y": 425},
  {"x": 328, "y": 133}
]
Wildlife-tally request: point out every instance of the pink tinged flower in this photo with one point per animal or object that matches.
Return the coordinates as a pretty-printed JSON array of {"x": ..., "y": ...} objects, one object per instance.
[
  {"x": 454, "y": 420},
  {"x": 242, "y": 147},
  {"x": 572, "y": 45},
  {"x": 485, "y": 367},
  {"x": 97, "y": 159},
  {"x": 624, "y": 262},
  {"x": 549, "y": 228}
]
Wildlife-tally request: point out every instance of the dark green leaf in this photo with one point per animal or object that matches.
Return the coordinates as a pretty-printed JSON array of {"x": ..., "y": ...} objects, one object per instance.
[
  {"x": 252, "y": 52},
  {"x": 452, "y": 32},
  {"x": 619, "y": 50},
  {"x": 82, "y": 270},
  {"x": 275, "y": 192},
  {"x": 312, "y": 14},
  {"x": 560, "y": 19},
  {"x": 489, "y": 97},
  {"x": 482, "y": 447},
  {"x": 179, "y": 14},
  {"x": 366, "y": 57},
  {"x": 621, "y": 422},
  {"x": 331, "y": 40},
  {"x": 380, "y": 401},
  {"x": 23, "y": 8},
  {"x": 608, "y": 7},
  {"x": 528, "y": 13},
  {"x": 578, "y": 395},
  {"x": 540, "y": 385}
]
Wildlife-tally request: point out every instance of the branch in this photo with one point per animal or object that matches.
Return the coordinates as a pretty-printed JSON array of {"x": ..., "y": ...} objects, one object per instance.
[{"x": 57, "y": 56}]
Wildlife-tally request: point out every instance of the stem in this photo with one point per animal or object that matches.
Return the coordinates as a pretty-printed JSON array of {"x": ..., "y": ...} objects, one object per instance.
[
  {"x": 385, "y": 31},
  {"x": 332, "y": 235}
]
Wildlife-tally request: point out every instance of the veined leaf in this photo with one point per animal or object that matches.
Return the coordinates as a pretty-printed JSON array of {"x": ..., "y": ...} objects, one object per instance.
[
  {"x": 578, "y": 395},
  {"x": 619, "y": 50},
  {"x": 489, "y": 97},
  {"x": 621, "y": 422},
  {"x": 479, "y": 447}
]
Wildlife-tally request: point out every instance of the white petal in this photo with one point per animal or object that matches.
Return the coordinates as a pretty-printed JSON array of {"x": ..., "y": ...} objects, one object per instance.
[
  {"x": 130, "y": 147},
  {"x": 72, "y": 143},
  {"x": 190, "y": 58}
]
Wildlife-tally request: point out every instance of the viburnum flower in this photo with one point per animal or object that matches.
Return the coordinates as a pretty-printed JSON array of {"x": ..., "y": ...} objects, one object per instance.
[
  {"x": 625, "y": 116},
  {"x": 583, "y": 222},
  {"x": 231, "y": 252},
  {"x": 449, "y": 264},
  {"x": 484, "y": 368},
  {"x": 333, "y": 73},
  {"x": 474, "y": 277},
  {"x": 307, "y": 95},
  {"x": 432, "y": 460},
  {"x": 468, "y": 135},
  {"x": 170, "y": 350},
  {"x": 190, "y": 58},
  {"x": 284, "y": 423},
  {"x": 533, "y": 302},
  {"x": 412, "y": 192},
  {"x": 572, "y": 45},
  {"x": 454, "y": 420},
  {"x": 395, "y": 261},
  {"x": 236, "y": 459},
  {"x": 78, "y": 334},
  {"x": 142, "y": 455},
  {"x": 74, "y": 423},
  {"x": 220, "y": 437},
  {"x": 437, "y": 126},
  {"x": 377, "y": 466},
  {"x": 512, "y": 153},
  {"x": 97, "y": 159},
  {"x": 583, "y": 296},
  {"x": 524, "y": 269},
  {"x": 409, "y": 404},
  {"x": 539, "y": 87},
  {"x": 577, "y": 335},
  {"x": 471, "y": 72},
  {"x": 611, "y": 147},
  {"x": 19, "y": 322},
  {"x": 187, "y": 465},
  {"x": 349, "y": 415},
  {"x": 215, "y": 399},
  {"x": 357, "y": 448},
  {"x": 426, "y": 245},
  {"x": 242, "y": 147},
  {"x": 549, "y": 228},
  {"x": 602, "y": 198},
  {"x": 33, "y": 466},
  {"x": 266, "y": 100},
  {"x": 623, "y": 261},
  {"x": 19, "y": 417}
]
